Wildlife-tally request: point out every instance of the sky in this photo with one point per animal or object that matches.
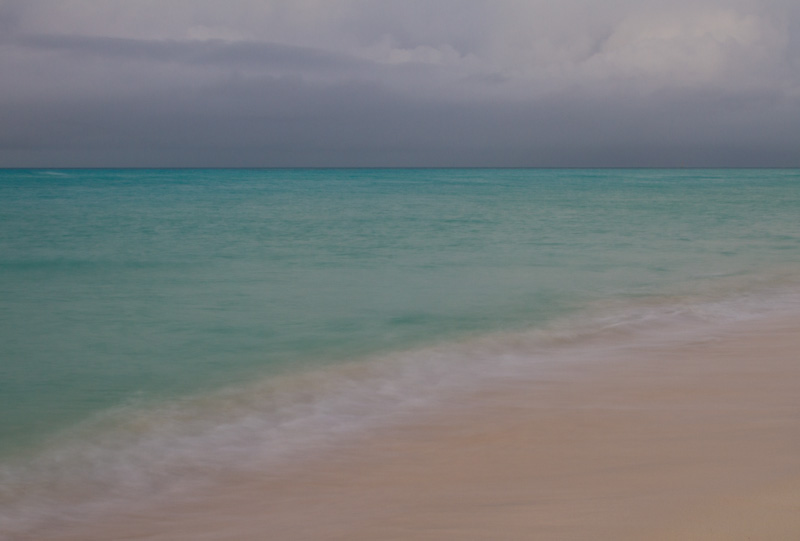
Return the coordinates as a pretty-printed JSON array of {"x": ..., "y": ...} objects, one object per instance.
[{"x": 400, "y": 83}]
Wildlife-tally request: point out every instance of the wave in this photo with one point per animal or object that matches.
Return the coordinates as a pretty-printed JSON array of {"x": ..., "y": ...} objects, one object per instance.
[{"x": 139, "y": 452}]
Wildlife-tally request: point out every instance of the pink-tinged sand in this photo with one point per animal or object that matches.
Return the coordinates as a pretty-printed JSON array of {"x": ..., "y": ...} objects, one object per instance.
[{"x": 694, "y": 439}]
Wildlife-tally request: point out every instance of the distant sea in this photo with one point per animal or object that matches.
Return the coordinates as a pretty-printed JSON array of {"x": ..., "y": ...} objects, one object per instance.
[{"x": 158, "y": 325}]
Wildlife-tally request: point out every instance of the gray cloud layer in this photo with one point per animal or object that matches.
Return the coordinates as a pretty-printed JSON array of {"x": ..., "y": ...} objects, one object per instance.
[{"x": 368, "y": 83}]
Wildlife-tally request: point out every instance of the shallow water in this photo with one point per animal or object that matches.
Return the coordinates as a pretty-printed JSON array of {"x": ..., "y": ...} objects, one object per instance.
[{"x": 157, "y": 324}]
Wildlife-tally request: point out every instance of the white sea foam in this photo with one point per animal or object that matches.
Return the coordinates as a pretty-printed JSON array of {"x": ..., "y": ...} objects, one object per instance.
[{"x": 142, "y": 451}]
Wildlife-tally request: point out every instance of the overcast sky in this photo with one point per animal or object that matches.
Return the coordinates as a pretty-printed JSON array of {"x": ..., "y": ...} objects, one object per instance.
[{"x": 399, "y": 83}]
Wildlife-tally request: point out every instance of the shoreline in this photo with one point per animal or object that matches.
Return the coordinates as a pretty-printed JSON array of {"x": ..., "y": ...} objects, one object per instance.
[{"x": 695, "y": 438}]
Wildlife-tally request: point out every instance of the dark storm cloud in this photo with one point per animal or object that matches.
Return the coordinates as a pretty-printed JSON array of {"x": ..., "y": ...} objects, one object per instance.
[
  {"x": 353, "y": 82},
  {"x": 290, "y": 123}
]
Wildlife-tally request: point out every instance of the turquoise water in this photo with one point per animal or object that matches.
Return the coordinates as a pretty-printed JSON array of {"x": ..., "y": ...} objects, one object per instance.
[{"x": 156, "y": 317}]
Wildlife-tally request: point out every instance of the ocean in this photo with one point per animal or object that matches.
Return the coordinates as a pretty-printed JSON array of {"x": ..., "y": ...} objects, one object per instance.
[{"x": 159, "y": 328}]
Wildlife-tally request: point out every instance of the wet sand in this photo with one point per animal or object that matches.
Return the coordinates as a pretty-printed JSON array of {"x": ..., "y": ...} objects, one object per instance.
[{"x": 671, "y": 440}]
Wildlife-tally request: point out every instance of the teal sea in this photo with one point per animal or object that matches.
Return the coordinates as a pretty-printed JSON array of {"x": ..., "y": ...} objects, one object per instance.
[{"x": 158, "y": 325}]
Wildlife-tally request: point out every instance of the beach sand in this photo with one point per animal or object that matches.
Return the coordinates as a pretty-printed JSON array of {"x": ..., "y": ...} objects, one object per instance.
[{"x": 668, "y": 440}]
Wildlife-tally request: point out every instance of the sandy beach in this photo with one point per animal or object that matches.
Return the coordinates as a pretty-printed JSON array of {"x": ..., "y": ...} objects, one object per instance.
[{"x": 683, "y": 439}]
